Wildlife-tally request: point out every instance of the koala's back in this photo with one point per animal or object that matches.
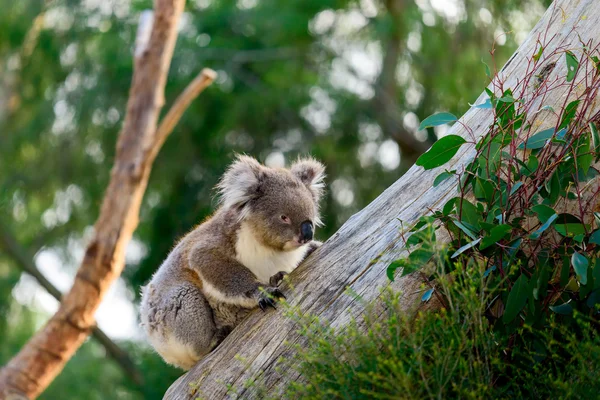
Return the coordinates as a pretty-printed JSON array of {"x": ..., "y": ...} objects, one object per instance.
[{"x": 175, "y": 313}]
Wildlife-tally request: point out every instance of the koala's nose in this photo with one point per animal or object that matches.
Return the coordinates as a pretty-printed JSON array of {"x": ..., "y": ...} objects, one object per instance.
[{"x": 306, "y": 232}]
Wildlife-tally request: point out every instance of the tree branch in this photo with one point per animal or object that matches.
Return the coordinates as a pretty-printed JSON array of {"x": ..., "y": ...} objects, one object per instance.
[
  {"x": 44, "y": 356},
  {"x": 25, "y": 261},
  {"x": 385, "y": 104}
]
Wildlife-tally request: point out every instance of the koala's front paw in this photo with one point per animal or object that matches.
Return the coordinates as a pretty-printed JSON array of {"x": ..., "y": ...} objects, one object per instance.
[
  {"x": 268, "y": 297},
  {"x": 276, "y": 279},
  {"x": 312, "y": 246}
]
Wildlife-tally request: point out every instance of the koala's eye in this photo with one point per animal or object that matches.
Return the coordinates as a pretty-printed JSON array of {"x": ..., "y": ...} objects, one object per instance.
[{"x": 285, "y": 219}]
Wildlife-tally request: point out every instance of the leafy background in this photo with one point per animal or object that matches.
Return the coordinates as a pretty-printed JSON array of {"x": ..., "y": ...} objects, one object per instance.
[{"x": 346, "y": 81}]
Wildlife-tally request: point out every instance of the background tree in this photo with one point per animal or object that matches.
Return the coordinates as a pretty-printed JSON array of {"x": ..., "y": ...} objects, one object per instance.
[{"x": 295, "y": 77}]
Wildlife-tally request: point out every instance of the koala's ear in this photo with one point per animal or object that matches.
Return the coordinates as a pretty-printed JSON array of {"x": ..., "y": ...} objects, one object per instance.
[
  {"x": 241, "y": 182},
  {"x": 311, "y": 172}
]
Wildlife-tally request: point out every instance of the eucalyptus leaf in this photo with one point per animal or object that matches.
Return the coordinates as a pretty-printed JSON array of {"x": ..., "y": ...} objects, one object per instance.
[
  {"x": 463, "y": 228},
  {"x": 543, "y": 212},
  {"x": 564, "y": 309},
  {"x": 517, "y": 298},
  {"x": 580, "y": 264},
  {"x": 391, "y": 269},
  {"x": 427, "y": 295},
  {"x": 437, "y": 119},
  {"x": 441, "y": 152},
  {"x": 571, "y": 229},
  {"x": 568, "y": 114},
  {"x": 497, "y": 233},
  {"x": 442, "y": 177},
  {"x": 541, "y": 229},
  {"x": 465, "y": 248},
  {"x": 538, "y": 140},
  {"x": 595, "y": 237},
  {"x": 572, "y": 65}
]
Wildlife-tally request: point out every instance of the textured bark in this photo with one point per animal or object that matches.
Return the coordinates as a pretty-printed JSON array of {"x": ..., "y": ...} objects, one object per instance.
[
  {"x": 44, "y": 356},
  {"x": 357, "y": 256}
]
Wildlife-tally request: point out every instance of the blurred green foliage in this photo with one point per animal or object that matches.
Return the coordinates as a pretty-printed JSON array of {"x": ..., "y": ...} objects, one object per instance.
[{"x": 295, "y": 77}]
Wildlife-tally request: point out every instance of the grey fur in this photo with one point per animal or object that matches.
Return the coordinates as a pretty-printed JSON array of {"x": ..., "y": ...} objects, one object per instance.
[{"x": 216, "y": 274}]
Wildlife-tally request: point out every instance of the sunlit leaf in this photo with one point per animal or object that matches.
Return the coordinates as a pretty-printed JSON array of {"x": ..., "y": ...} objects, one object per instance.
[
  {"x": 441, "y": 152},
  {"x": 572, "y": 65}
]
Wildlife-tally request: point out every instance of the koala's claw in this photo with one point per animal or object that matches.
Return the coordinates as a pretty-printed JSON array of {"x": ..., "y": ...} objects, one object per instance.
[
  {"x": 276, "y": 279},
  {"x": 268, "y": 298}
]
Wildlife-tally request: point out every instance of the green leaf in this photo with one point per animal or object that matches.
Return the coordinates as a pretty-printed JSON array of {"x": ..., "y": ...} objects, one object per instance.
[
  {"x": 443, "y": 176},
  {"x": 420, "y": 256},
  {"x": 570, "y": 229},
  {"x": 580, "y": 264},
  {"x": 507, "y": 99},
  {"x": 515, "y": 188},
  {"x": 583, "y": 155},
  {"x": 541, "y": 229},
  {"x": 543, "y": 212},
  {"x": 470, "y": 215},
  {"x": 595, "y": 139},
  {"x": 517, "y": 298},
  {"x": 569, "y": 114},
  {"x": 463, "y": 228},
  {"x": 437, "y": 119},
  {"x": 449, "y": 206},
  {"x": 465, "y": 248},
  {"x": 391, "y": 269},
  {"x": 572, "y": 65},
  {"x": 564, "y": 309},
  {"x": 532, "y": 165},
  {"x": 497, "y": 233},
  {"x": 427, "y": 295},
  {"x": 538, "y": 55},
  {"x": 441, "y": 152},
  {"x": 538, "y": 140},
  {"x": 595, "y": 237},
  {"x": 488, "y": 73},
  {"x": 483, "y": 190}
]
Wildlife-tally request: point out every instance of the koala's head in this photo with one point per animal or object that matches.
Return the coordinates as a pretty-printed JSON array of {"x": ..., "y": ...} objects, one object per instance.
[{"x": 281, "y": 206}]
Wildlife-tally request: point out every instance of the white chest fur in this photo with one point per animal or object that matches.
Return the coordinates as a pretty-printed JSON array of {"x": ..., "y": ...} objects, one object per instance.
[{"x": 264, "y": 262}]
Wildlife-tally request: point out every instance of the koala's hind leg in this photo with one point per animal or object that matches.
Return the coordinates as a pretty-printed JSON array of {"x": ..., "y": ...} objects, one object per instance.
[{"x": 179, "y": 324}]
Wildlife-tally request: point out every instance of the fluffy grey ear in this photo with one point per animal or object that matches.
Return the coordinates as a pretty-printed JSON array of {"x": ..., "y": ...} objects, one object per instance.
[
  {"x": 240, "y": 182},
  {"x": 311, "y": 172}
]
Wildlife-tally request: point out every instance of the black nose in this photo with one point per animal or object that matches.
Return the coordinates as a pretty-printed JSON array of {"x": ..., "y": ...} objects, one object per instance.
[{"x": 306, "y": 232}]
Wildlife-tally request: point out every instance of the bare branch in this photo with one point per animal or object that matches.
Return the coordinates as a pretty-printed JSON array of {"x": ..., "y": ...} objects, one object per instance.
[
  {"x": 25, "y": 261},
  {"x": 44, "y": 356}
]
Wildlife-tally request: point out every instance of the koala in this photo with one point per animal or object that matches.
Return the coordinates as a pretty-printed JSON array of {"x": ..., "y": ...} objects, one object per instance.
[{"x": 233, "y": 262}]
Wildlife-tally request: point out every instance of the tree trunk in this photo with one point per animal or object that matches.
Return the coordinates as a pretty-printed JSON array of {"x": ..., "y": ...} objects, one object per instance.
[
  {"x": 44, "y": 356},
  {"x": 357, "y": 256}
]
